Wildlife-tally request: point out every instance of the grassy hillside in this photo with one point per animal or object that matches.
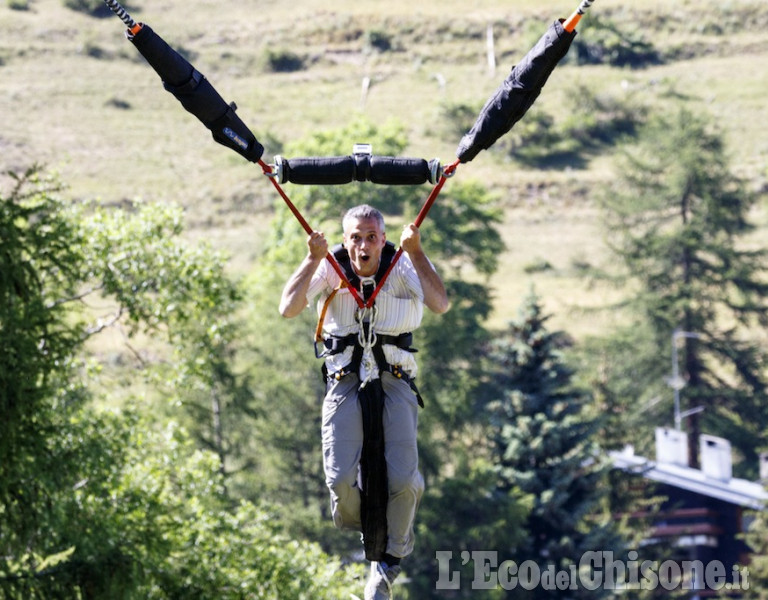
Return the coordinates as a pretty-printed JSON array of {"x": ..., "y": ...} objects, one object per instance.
[{"x": 78, "y": 97}]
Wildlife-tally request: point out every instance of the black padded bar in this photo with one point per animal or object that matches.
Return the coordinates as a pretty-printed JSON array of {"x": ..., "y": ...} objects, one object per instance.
[
  {"x": 384, "y": 170},
  {"x": 317, "y": 171},
  {"x": 387, "y": 170},
  {"x": 517, "y": 92}
]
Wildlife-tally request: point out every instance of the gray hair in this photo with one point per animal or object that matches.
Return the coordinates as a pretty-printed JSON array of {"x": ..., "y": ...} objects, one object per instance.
[{"x": 364, "y": 211}]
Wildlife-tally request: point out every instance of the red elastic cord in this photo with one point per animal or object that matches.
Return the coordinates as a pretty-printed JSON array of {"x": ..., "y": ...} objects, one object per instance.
[
  {"x": 447, "y": 172},
  {"x": 329, "y": 257}
]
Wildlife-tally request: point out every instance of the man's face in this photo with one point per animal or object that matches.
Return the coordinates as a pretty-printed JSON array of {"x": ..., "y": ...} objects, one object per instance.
[{"x": 364, "y": 240}]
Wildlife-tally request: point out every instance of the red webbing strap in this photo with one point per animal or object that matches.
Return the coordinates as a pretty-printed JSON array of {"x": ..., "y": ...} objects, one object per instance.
[
  {"x": 447, "y": 172},
  {"x": 268, "y": 171}
]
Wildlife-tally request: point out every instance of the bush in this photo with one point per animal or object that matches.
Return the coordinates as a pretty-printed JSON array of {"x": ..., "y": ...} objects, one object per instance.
[
  {"x": 378, "y": 40},
  {"x": 539, "y": 265},
  {"x": 283, "y": 61},
  {"x": 94, "y": 51},
  {"x": 90, "y": 7},
  {"x": 457, "y": 118},
  {"x": 603, "y": 42},
  {"x": 18, "y": 5}
]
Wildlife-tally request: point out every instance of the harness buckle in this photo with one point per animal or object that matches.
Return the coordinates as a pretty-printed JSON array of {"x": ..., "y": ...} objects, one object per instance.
[
  {"x": 320, "y": 353},
  {"x": 367, "y": 287}
]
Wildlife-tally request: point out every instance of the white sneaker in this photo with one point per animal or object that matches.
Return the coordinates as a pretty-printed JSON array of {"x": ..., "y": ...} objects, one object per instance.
[{"x": 379, "y": 586}]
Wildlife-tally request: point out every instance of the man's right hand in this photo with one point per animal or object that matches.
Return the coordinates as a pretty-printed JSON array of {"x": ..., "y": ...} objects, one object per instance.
[
  {"x": 318, "y": 245},
  {"x": 294, "y": 298}
]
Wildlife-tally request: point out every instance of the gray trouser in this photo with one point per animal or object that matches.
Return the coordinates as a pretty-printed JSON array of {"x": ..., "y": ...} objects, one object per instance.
[{"x": 342, "y": 432}]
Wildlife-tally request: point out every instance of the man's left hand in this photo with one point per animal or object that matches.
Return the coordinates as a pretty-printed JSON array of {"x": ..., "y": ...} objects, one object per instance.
[{"x": 410, "y": 240}]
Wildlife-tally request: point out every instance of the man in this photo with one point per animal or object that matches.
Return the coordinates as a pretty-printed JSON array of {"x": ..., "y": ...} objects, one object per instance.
[{"x": 368, "y": 359}]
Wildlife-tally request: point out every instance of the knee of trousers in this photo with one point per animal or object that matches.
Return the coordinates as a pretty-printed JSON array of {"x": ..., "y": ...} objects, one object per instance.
[
  {"x": 345, "y": 505},
  {"x": 405, "y": 482}
]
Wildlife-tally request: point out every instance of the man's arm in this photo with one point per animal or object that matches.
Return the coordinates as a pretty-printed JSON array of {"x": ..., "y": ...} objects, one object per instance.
[
  {"x": 435, "y": 297},
  {"x": 294, "y": 297}
]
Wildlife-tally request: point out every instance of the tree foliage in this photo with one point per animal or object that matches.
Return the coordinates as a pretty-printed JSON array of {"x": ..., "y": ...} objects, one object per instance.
[
  {"x": 545, "y": 447},
  {"x": 678, "y": 221},
  {"x": 604, "y": 42},
  {"x": 113, "y": 503},
  {"x": 40, "y": 254},
  {"x": 756, "y": 538}
]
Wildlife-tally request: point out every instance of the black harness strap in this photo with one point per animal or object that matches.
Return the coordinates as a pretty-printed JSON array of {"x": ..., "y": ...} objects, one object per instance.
[
  {"x": 336, "y": 345},
  {"x": 373, "y": 482},
  {"x": 342, "y": 257}
]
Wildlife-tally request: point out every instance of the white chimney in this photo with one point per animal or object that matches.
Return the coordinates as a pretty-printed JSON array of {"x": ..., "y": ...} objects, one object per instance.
[
  {"x": 763, "y": 466},
  {"x": 715, "y": 457},
  {"x": 671, "y": 446}
]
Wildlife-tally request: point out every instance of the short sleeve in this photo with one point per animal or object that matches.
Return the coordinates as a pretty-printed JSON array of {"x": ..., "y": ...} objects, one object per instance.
[
  {"x": 323, "y": 281},
  {"x": 409, "y": 278}
]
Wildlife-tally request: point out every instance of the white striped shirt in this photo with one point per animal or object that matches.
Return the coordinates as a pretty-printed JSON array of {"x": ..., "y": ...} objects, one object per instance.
[{"x": 399, "y": 304}]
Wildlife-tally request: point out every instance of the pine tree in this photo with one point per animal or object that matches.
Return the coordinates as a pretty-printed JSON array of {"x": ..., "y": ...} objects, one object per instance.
[
  {"x": 677, "y": 219},
  {"x": 546, "y": 447}
]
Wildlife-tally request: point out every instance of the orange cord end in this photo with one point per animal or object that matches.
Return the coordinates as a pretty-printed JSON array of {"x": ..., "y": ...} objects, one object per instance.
[
  {"x": 570, "y": 23},
  {"x": 136, "y": 28}
]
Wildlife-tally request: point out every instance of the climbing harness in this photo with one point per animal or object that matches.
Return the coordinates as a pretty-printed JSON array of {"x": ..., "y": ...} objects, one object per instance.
[
  {"x": 368, "y": 351},
  {"x": 503, "y": 109}
]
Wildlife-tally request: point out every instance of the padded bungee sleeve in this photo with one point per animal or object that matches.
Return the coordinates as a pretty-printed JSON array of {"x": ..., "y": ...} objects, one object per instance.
[
  {"x": 384, "y": 170},
  {"x": 196, "y": 94}
]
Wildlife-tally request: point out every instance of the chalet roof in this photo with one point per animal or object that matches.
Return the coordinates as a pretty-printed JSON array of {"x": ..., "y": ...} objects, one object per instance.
[{"x": 749, "y": 494}]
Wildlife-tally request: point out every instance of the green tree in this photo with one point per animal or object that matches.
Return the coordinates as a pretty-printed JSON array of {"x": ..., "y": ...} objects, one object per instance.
[
  {"x": 40, "y": 254},
  {"x": 461, "y": 510},
  {"x": 611, "y": 367},
  {"x": 180, "y": 296},
  {"x": 546, "y": 449},
  {"x": 677, "y": 219},
  {"x": 100, "y": 504},
  {"x": 757, "y": 539}
]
